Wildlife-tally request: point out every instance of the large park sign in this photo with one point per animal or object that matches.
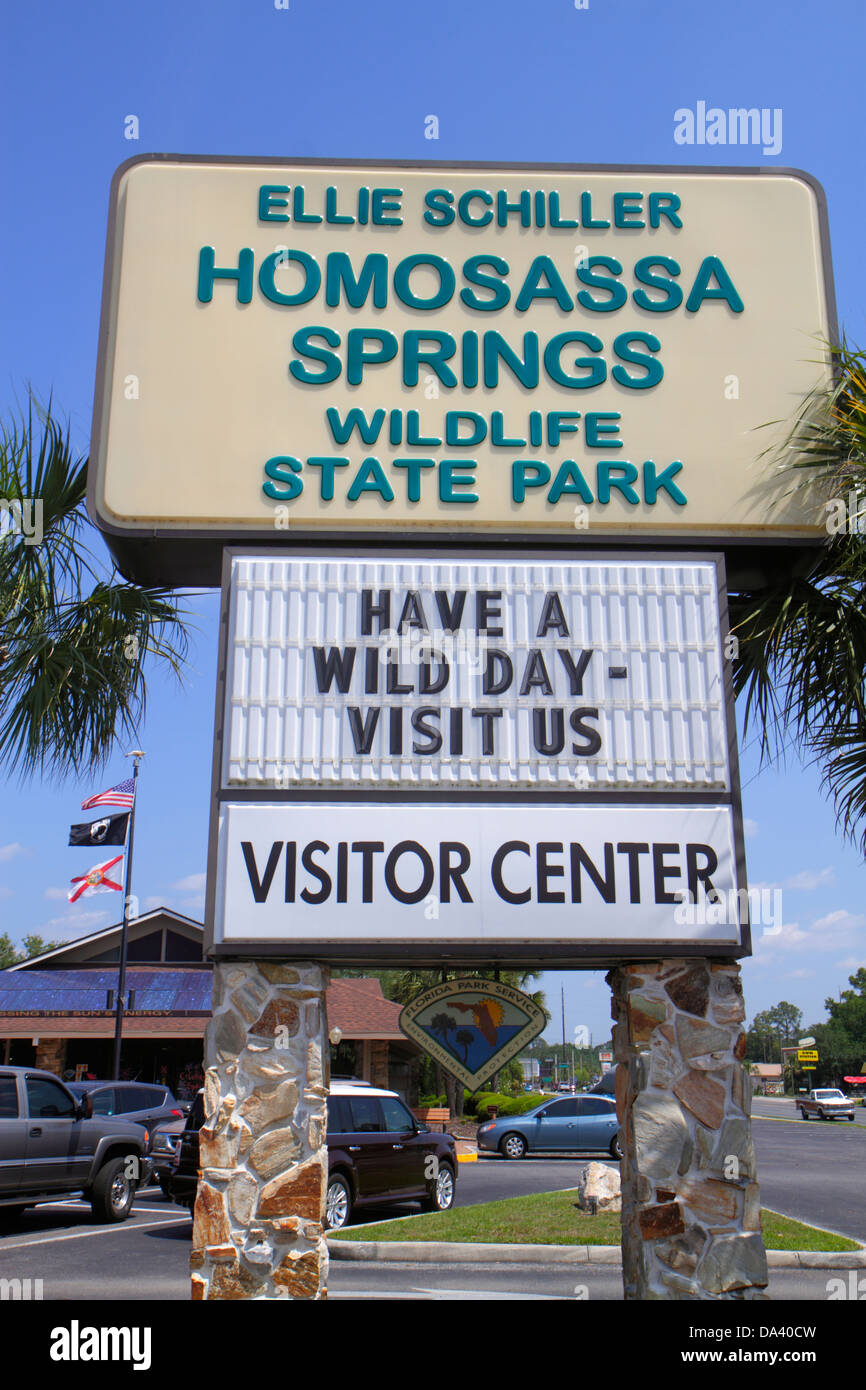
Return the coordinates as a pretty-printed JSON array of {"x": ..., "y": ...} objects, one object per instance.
[
  {"x": 294, "y": 350},
  {"x": 472, "y": 445}
]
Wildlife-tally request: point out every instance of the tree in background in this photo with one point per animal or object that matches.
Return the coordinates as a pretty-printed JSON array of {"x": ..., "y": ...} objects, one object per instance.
[
  {"x": 773, "y": 1029},
  {"x": 72, "y": 642},
  {"x": 841, "y": 1042},
  {"x": 580, "y": 1062},
  {"x": 31, "y": 946}
]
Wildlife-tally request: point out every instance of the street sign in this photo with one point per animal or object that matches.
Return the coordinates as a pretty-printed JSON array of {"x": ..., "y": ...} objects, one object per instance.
[
  {"x": 807, "y": 1055},
  {"x": 472, "y": 1027},
  {"x": 806, "y": 1042},
  {"x": 809, "y": 1068},
  {"x": 487, "y": 351},
  {"x": 421, "y": 672}
]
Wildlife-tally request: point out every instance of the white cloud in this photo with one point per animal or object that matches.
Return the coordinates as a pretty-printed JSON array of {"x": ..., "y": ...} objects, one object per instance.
[
  {"x": 789, "y": 934},
  {"x": 841, "y": 919},
  {"x": 56, "y": 894},
  {"x": 835, "y": 932},
  {"x": 8, "y": 852},
  {"x": 799, "y": 974},
  {"x": 750, "y": 828},
  {"x": 194, "y": 883},
  {"x": 72, "y": 924},
  {"x": 808, "y": 879}
]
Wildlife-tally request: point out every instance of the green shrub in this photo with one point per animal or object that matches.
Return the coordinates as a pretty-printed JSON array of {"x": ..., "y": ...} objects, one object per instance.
[{"x": 507, "y": 1105}]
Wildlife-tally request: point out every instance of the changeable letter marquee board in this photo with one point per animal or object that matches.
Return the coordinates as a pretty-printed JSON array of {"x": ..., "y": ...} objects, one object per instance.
[
  {"x": 517, "y": 759},
  {"x": 507, "y": 353}
]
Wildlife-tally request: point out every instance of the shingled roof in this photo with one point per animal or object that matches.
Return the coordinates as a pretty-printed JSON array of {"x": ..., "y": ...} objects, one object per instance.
[{"x": 359, "y": 1009}]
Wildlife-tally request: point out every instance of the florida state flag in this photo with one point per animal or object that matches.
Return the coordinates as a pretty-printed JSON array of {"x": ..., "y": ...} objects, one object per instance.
[{"x": 97, "y": 880}]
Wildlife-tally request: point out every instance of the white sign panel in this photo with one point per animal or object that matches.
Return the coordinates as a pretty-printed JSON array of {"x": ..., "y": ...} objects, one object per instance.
[
  {"x": 514, "y": 350},
  {"x": 422, "y": 673},
  {"x": 305, "y": 875}
]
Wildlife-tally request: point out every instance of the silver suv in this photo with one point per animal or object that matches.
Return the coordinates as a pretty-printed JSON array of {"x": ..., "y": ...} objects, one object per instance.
[{"x": 52, "y": 1144}]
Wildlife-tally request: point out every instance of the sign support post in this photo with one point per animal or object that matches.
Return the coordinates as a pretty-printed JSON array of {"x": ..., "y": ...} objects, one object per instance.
[{"x": 257, "y": 1223}]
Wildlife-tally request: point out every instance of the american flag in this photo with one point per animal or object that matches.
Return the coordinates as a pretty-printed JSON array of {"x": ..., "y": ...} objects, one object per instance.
[{"x": 121, "y": 795}]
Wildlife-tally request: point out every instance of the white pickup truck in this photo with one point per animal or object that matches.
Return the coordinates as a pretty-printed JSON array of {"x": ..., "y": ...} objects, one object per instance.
[{"x": 826, "y": 1105}]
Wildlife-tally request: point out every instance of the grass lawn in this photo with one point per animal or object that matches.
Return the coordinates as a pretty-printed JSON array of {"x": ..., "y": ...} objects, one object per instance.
[{"x": 554, "y": 1218}]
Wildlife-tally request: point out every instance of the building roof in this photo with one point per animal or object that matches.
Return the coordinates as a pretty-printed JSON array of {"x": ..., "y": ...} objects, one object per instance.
[
  {"x": 106, "y": 941},
  {"x": 168, "y": 1001},
  {"x": 75, "y": 991},
  {"x": 359, "y": 1009}
]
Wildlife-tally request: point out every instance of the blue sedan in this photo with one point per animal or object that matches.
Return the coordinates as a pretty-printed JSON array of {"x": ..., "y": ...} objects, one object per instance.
[{"x": 579, "y": 1123}]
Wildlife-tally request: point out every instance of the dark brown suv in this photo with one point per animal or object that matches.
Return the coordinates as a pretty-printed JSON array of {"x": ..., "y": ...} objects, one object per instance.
[{"x": 379, "y": 1154}]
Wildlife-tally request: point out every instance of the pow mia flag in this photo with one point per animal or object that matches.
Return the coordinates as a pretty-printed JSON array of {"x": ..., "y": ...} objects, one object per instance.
[{"x": 109, "y": 831}]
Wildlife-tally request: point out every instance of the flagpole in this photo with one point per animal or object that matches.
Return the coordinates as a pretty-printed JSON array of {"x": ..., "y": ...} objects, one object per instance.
[{"x": 137, "y": 755}]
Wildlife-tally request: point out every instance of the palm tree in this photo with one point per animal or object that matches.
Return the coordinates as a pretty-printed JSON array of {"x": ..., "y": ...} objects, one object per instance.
[
  {"x": 802, "y": 639},
  {"x": 73, "y": 638},
  {"x": 465, "y": 1039}
]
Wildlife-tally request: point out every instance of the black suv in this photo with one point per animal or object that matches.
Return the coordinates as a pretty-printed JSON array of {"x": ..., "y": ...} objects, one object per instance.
[
  {"x": 51, "y": 1144},
  {"x": 378, "y": 1155}
]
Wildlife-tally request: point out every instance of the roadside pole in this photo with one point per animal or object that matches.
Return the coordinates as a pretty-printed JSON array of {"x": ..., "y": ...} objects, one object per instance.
[{"x": 137, "y": 755}]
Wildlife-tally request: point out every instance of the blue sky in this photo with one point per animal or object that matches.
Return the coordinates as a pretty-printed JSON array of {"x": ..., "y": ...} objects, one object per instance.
[{"x": 507, "y": 81}]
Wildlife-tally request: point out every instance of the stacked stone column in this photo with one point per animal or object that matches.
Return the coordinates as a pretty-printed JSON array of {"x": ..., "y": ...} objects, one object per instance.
[
  {"x": 691, "y": 1226},
  {"x": 257, "y": 1225}
]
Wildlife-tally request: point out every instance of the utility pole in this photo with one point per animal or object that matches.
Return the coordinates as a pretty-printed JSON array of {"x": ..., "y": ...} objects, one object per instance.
[{"x": 137, "y": 755}]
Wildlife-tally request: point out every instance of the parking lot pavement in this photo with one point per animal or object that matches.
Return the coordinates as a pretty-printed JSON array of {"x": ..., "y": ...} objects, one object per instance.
[
  {"x": 144, "y": 1257},
  {"x": 809, "y": 1171}
]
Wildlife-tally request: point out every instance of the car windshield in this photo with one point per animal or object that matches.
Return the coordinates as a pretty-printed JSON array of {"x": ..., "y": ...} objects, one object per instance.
[{"x": 829, "y": 1095}]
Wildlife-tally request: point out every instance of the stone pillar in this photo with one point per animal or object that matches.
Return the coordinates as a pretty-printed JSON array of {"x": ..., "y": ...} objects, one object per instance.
[
  {"x": 379, "y": 1065},
  {"x": 51, "y": 1055},
  {"x": 691, "y": 1226},
  {"x": 257, "y": 1226}
]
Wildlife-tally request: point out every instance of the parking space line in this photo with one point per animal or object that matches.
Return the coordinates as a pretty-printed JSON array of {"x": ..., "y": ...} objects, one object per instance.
[{"x": 98, "y": 1231}]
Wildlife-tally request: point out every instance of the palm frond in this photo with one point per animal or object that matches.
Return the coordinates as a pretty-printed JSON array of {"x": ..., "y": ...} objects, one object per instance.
[
  {"x": 801, "y": 663},
  {"x": 72, "y": 644}
]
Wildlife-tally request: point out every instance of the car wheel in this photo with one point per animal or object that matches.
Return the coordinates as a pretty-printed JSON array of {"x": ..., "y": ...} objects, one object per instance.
[
  {"x": 338, "y": 1203},
  {"x": 442, "y": 1195},
  {"x": 615, "y": 1147},
  {"x": 821, "y": 1115},
  {"x": 113, "y": 1191},
  {"x": 850, "y": 1117},
  {"x": 513, "y": 1146},
  {"x": 803, "y": 1115}
]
